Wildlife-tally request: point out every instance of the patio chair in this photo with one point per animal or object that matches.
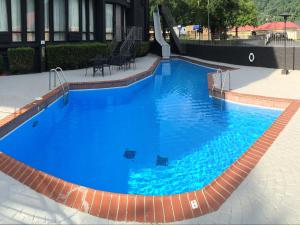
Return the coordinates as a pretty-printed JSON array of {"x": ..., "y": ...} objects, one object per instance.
[{"x": 117, "y": 60}]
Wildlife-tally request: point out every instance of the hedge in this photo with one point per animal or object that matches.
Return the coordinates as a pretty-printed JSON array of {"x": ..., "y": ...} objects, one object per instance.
[
  {"x": 21, "y": 60},
  {"x": 1, "y": 64},
  {"x": 142, "y": 49},
  {"x": 74, "y": 56}
]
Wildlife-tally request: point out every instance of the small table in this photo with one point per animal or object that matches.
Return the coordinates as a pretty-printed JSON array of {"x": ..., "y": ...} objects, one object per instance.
[{"x": 99, "y": 63}]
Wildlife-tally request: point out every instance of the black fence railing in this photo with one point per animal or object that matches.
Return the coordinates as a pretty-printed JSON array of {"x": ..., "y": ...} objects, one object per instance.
[{"x": 244, "y": 42}]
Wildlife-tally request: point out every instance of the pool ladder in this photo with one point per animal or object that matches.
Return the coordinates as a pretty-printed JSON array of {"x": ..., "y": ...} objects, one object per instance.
[
  {"x": 58, "y": 75},
  {"x": 223, "y": 76}
]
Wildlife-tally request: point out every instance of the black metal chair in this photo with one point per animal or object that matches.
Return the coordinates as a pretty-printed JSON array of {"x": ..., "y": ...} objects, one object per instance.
[
  {"x": 117, "y": 60},
  {"x": 98, "y": 66},
  {"x": 98, "y": 63}
]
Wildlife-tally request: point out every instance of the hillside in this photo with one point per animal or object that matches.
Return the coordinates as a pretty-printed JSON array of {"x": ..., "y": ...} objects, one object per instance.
[{"x": 270, "y": 9}]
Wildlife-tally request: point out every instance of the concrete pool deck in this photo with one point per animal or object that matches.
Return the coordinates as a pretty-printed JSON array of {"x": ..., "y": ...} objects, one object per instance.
[
  {"x": 19, "y": 90},
  {"x": 273, "y": 184}
]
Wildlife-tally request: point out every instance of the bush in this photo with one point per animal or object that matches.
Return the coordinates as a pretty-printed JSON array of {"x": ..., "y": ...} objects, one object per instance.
[
  {"x": 1, "y": 64},
  {"x": 74, "y": 56},
  {"x": 142, "y": 49},
  {"x": 21, "y": 60}
]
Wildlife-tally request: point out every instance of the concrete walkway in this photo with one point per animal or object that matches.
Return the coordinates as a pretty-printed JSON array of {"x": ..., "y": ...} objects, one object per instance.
[
  {"x": 262, "y": 81},
  {"x": 269, "y": 195}
]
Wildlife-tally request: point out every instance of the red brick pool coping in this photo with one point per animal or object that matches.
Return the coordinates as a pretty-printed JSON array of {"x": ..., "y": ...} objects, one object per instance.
[{"x": 122, "y": 207}]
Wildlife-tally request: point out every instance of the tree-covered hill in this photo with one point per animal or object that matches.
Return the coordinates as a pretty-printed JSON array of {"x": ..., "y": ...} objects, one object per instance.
[{"x": 268, "y": 10}]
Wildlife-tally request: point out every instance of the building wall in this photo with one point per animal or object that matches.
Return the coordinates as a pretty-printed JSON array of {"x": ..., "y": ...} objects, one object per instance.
[
  {"x": 136, "y": 14},
  {"x": 133, "y": 13}
]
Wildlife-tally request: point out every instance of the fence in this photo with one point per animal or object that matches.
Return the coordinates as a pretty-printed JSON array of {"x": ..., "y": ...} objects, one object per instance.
[
  {"x": 244, "y": 42},
  {"x": 271, "y": 57}
]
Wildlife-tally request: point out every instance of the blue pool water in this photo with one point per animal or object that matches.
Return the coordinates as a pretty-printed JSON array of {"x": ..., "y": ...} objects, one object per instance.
[{"x": 169, "y": 115}]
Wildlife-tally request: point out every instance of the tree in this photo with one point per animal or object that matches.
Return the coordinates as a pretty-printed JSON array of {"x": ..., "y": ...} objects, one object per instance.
[
  {"x": 269, "y": 10},
  {"x": 223, "y": 15},
  {"x": 180, "y": 9},
  {"x": 246, "y": 15}
]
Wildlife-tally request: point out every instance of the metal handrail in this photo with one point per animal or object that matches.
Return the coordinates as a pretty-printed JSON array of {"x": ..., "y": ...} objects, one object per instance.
[
  {"x": 223, "y": 76},
  {"x": 61, "y": 73},
  {"x": 58, "y": 75},
  {"x": 223, "y": 80},
  {"x": 216, "y": 75},
  {"x": 133, "y": 35}
]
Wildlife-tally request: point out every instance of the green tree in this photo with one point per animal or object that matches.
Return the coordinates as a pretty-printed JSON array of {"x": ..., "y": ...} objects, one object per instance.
[
  {"x": 246, "y": 14},
  {"x": 269, "y": 10},
  {"x": 223, "y": 15},
  {"x": 180, "y": 9}
]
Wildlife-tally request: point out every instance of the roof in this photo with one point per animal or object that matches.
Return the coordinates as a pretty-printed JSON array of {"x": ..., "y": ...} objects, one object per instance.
[
  {"x": 269, "y": 26},
  {"x": 278, "y": 26}
]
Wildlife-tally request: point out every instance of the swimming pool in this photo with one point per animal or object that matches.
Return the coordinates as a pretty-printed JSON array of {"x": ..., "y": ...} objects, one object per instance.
[{"x": 163, "y": 135}]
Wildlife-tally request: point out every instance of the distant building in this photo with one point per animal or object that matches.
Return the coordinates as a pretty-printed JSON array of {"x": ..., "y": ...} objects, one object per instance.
[
  {"x": 242, "y": 32},
  {"x": 293, "y": 30},
  {"x": 191, "y": 33}
]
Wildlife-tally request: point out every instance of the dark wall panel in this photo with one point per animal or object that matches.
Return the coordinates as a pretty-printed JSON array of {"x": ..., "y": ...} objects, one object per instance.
[{"x": 264, "y": 56}]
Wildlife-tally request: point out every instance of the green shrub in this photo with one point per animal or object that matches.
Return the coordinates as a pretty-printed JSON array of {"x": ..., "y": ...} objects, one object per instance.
[
  {"x": 142, "y": 49},
  {"x": 1, "y": 64},
  {"x": 74, "y": 56},
  {"x": 21, "y": 60}
]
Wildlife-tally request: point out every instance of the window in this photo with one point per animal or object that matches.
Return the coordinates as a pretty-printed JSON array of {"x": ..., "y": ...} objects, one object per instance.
[
  {"x": 109, "y": 21},
  {"x": 74, "y": 15},
  {"x": 91, "y": 19},
  {"x": 83, "y": 20},
  {"x": 3, "y": 16},
  {"x": 46, "y": 8},
  {"x": 118, "y": 24},
  {"x": 59, "y": 20},
  {"x": 125, "y": 24},
  {"x": 16, "y": 20},
  {"x": 30, "y": 17}
]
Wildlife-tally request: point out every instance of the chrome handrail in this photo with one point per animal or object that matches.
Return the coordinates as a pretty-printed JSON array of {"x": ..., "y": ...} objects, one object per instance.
[
  {"x": 222, "y": 76},
  {"x": 58, "y": 75}
]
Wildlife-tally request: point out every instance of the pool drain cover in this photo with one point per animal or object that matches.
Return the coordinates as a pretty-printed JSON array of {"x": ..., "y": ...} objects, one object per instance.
[
  {"x": 161, "y": 161},
  {"x": 35, "y": 123},
  {"x": 128, "y": 154}
]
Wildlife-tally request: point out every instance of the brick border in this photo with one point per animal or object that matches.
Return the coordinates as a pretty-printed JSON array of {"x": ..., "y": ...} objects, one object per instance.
[{"x": 122, "y": 207}]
